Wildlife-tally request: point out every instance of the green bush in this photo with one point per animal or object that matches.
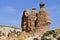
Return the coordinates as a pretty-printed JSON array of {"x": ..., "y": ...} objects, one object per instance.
[
  {"x": 58, "y": 38},
  {"x": 35, "y": 39}
]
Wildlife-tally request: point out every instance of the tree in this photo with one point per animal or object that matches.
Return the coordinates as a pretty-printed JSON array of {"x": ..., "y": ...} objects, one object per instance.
[
  {"x": 55, "y": 35},
  {"x": 58, "y": 38},
  {"x": 3, "y": 34},
  {"x": 0, "y": 32},
  {"x": 35, "y": 39}
]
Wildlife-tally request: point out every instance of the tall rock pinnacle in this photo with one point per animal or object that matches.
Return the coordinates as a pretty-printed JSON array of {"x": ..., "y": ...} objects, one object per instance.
[
  {"x": 42, "y": 4},
  {"x": 43, "y": 19}
]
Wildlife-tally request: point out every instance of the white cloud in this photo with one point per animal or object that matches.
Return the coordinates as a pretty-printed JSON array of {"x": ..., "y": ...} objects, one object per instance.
[
  {"x": 58, "y": 10},
  {"x": 52, "y": 7},
  {"x": 8, "y": 10}
]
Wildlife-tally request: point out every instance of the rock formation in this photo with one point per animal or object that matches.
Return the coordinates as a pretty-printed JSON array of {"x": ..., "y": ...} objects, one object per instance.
[
  {"x": 43, "y": 19},
  {"x": 25, "y": 20},
  {"x": 33, "y": 21},
  {"x": 28, "y": 20}
]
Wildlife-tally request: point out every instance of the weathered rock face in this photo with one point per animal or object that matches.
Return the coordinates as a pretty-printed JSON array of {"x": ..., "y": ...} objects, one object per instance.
[
  {"x": 31, "y": 21},
  {"x": 43, "y": 19},
  {"x": 28, "y": 20},
  {"x": 25, "y": 18}
]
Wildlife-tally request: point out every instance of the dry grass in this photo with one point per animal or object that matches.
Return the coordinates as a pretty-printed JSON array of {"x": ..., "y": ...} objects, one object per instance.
[{"x": 57, "y": 30}]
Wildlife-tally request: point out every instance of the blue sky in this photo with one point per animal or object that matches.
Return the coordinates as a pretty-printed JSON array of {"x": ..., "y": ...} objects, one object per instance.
[{"x": 11, "y": 11}]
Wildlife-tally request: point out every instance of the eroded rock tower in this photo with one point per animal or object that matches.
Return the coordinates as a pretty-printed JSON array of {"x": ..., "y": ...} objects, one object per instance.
[{"x": 33, "y": 21}]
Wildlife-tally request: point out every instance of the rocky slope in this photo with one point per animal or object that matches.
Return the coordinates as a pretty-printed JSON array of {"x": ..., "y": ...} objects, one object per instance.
[
  {"x": 6, "y": 29},
  {"x": 11, "y": 33},
  {"x": 49, "y": 35}
]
